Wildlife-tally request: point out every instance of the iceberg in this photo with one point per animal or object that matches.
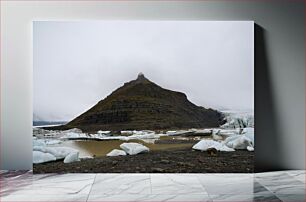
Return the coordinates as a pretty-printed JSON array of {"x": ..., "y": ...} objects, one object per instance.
[
  {"x": 41, "y": 157},
  {"x": 226, "y": 148},
  {"x": 220, "y": 134},
  {"x": 104, "y": 132},
  {"x": 201, "y": 132},
  {"x": 104, "y": 135},
  {"x": 250, "y": 148},
  {"x": 39, "y": 132},
  {"x": 180, "y": 132},
  {"x": 249, "y": 133},
  {"x": 238, "y": 119},
  {"x": 38, "y": 142},
  {"x": 238, "y": 142},
  {"x": 52, "y": 142},
  {"x": 126, "y": 132},
  {"x": 144, "y": 136},
  {"x": 58, "y": 152},
  {"x": 204, "y": 145},
  {"x": 116, "y": 152},
  {"x": 216, "y": 136},
  {"x": 73, "y": 135},
  {"x": 134, "y": 148},
  {"x": 170, "y": 132},
  {"x": 73, "y": 130},
  {"x": 149, "y": 141},
  {"x": 72, "y": 157},
  {"x": 43, "y": 154},
  {"x": 142, "y": 132},
  {"x": 45, "y": 142}
]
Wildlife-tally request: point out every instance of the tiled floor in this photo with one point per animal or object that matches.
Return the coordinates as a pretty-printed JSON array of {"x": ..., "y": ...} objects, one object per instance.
[{"x": 271, "y": 186}]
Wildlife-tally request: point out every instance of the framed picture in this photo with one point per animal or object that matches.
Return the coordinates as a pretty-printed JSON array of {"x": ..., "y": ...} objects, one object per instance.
[{"x": 143, "y": 96}]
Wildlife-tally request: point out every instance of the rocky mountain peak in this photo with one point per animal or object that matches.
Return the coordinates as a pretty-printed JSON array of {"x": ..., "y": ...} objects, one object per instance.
[
  {"x": 143, "y": 105},
  {"x": 140, "y": 75},
  {"x": 141, "y": 78}
]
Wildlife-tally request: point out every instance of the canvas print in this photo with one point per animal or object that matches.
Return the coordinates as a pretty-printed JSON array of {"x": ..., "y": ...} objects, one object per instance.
[{"x": 143, "y": 96}]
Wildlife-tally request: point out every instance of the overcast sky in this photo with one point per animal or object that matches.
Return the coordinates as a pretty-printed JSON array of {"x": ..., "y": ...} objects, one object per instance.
[{"x": 76, "y": 64}]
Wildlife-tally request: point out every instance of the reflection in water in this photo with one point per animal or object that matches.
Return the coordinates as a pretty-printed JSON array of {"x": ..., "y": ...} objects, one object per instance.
[{"x": 101, "y": 148}]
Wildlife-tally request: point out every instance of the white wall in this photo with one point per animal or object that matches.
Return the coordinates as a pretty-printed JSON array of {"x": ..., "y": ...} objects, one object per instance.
[{"x": 279, "y": 73}]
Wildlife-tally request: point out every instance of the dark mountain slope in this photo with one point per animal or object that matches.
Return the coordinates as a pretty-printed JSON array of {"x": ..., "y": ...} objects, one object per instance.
[{"x": 141, "y": 104}]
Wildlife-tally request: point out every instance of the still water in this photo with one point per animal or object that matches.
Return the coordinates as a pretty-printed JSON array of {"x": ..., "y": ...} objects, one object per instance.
[{"x": 101, "y": 148}]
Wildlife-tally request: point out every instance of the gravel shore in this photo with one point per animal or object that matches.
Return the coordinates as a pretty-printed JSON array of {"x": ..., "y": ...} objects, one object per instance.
[{"x": 167, "y": 161}]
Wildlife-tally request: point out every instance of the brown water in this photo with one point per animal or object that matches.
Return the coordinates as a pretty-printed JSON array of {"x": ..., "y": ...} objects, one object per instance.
[{"x": 101, "y": 148}]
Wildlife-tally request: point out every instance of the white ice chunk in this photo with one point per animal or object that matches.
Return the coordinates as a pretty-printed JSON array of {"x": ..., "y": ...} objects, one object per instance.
[
  {"x": 149, "y": 141},
  {"x": 73, "y": 130},
  {"x": 249, "y": 133},
  {"x": 142, "y": 132},
  {"x": 45, "y": 142},
  {"x": 180, "y": 132},
  {"x": 217, "y": 137},
  {"x": 171, "y": 132},
  {"x": 250, "y": 148},
  {"x": 41, "y": 157},
  {"x": 53, "y": 142},
  {"x": 144, "y": 136},
  {"x": 203, "y": 145},
  {"x": 239, "y": 119},
  {"x": 58, "y": 152},
  {"x": 104, "y": 132},
  {"x": 201, "y": 131},
  {"x": 73, "y": 135},
  {"x": 38, "y": 142},
  {"x": 86, "y": 157},
  {"x": 226, "y": 148},
  {"x": 116, "y": 152},
  {"x": 238, "y": 142},
  {"x": 134, "y": 148},
  {"x": 72, "y": 157},
  {"x": 126, "y": 132}
]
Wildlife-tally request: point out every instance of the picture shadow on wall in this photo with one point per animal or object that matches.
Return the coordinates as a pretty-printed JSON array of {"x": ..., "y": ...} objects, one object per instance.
[{"x": 268, "y": 153}]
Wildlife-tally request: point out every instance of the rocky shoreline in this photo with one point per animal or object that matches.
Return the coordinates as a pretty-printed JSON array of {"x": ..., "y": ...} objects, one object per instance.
[{"x": 183, "y": 160}]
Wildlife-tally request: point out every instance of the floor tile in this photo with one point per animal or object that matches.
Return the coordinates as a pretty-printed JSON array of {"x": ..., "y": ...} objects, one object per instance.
[
  {"x": 287, "y": 189},
  {"x": 291, "y": 197},
  {"x": 284, "y": 186},
  {"x": 244, "y": 198},
  {"x": 150, "y": 198},
  {"x": 43, "y": 198},
  {"x": 260, "y": 189},
  {"x": 276, "y": 175},
  {"x": 234, "y": 184},
  {"x": 230, "y": 197},
  {"x": 3, "y": 171},
  {"x": 266, "y": 198},
  {"x": 298, "y": 175},
  {"x": 261, "y": 193},
  {"x": 55, "y": 184},
  {"x": 287, "y": 186},
  {"x": 112, "y": 184},
  {"x": 176, "y": 184},
  {"x": 14, "y": 181}
]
